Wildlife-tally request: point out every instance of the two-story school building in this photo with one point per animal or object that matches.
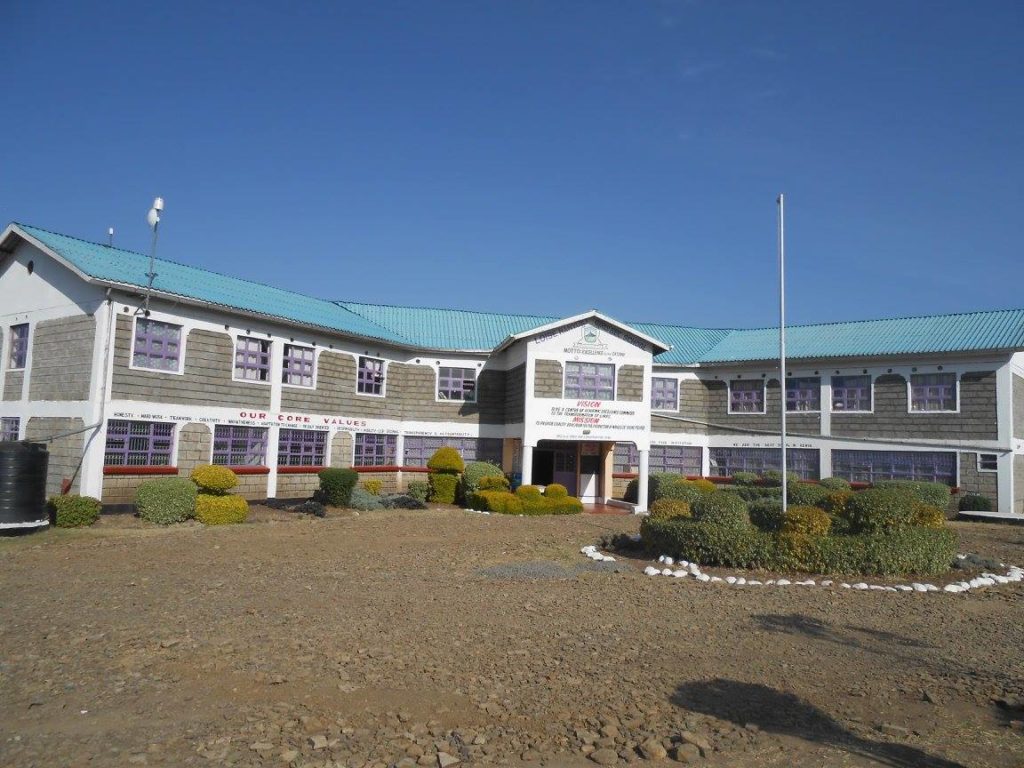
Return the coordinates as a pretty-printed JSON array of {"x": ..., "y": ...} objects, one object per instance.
[{"x": 278, "y": 385}]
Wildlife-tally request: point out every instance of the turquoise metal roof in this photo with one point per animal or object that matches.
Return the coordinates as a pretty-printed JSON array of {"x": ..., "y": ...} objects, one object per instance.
[
  {"x": 455, "y": 329},
  {"x": 972, "y": 331},
  {"x": 115, "y": 265},
  {"x": 447, "y": 328}
]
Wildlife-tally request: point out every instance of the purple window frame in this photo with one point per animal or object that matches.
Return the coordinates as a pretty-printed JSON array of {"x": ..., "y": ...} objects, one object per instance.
[
  {"x": 933, "y": 392},
  {"x": 418, "y": 449},
  {"x": 252, "y": 359},
  {"x": 746, "y": 396},
  {"x": 851, "y": 394},
  {"x": 664, "y": 394},
  {"x": 726, "y": 462},
  {"x": 675, "y": 459},
  {"x": 10, "y": 428},
  {"x": 626, "y": 458},
  {"x": 301, "y": 448},
  {"x": 803, "y": 394},
  {"x": 370, "y": 376},
  {"x": 458, "y": 384},
  {"x": 298, "y": 366},
  {"x": 375, "y": 450},
  {"x": 157, "y": 345},
  {"x": 138, "y": 443},
  {"x": 589, "y": 381},
  {"x": 236, "y": 446},
  {"x": 19, "y": 346},
  {"x": 871, "y": 466}
]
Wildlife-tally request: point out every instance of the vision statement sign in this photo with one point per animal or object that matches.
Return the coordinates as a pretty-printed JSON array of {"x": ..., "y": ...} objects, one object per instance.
[{"x": 592, "y": 420}]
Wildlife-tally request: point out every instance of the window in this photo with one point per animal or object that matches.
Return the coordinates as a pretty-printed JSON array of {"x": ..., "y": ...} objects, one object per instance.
[
  {"x": 677, "y": 459},
  {"x": 869, "y": 466},
  {"x": 298, "y": 365},
  {"x": 9, "y": 429},
  {"x": 988, "y": 462},
  {"x": 726, "y": 462},
  {"x": 157, "y": 345},
  {"x": 138, "y": 444},
  {"x": 301, "y": 448},
  {"x": 19, "y": 346},
  {"x": 418, "y": 450},
  {"x": 589, "y": 381},
  {"x": 370, "y": 376},
  {"x": 931, "y": 392},
  {"x": 239, "y": 446},
  {"x": 627, "y": 458},
  {"x": 456, "y": 384},
  {"x": 851, "y": 393},
  {"x": 803, "y": 394},
  {"x": 375, "y": 450},
  {"x": 746, "y": 396},
  {"x": 252, "y": 359},
  {"x": 664, "y": 394}
]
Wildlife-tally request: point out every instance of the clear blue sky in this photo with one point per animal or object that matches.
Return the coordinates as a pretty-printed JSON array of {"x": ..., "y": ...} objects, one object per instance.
[{"x": 539, "y": 157}]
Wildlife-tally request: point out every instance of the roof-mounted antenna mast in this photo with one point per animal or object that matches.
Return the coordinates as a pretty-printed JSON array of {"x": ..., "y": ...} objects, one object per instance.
[
  {"x": 110, "y": 237},
  {"x": 153, "y": 217}
]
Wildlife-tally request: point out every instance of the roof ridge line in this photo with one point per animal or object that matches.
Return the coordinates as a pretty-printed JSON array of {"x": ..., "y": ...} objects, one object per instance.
[{"x": 885, "y": 319}]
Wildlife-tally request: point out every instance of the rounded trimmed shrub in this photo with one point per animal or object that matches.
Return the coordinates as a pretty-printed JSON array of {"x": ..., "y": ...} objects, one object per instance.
[
  {"x": 724, "y": 509},
  {"x": 363, "y": 500},
  {"x": 418, "y": 489},
  {"x": 336, "y": 486},
  {"x": 213, "y": 509},
  {"x": 494, "y": 484},
  {"x": 446, "y": 459},
  {"x": 745, "y": 478},
  {"x": 401, "y": 501},
  {"x": 773, "y": 477},
  {"x": 935, "y": 494},
  {"x": 443, "y": 486},
  {"x": 927, "y": 516},
  {"x": 666, "y": 509},
  {"x": 974, "y": 502},
  {"x": 373, "y": 487},
  {"x": 766, "y": 513},
  {"x": 166, "y": 500},
  {"x": 556, "y": 491},
  {"x": 704, "y": 486},
  {"x": 681, "y": 489},
  {"x": 529, "y": 492},
  {"x": 835, "y": 484},
  {"x": 881, "y": 509},
  {"x": 805, "y": 494},
  {"x": 74, "y": 511},
  {"x": 501, "y": 502},
  {"x": 835, "y": 503},
  {"x": 213, "y": 478},
  {"x": 474, "y": 473},
  {"x": 806, "y": 521}
]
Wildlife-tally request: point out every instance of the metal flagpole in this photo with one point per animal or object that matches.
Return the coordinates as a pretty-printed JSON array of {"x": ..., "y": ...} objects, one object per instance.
[{"x": 782, "y": 338}]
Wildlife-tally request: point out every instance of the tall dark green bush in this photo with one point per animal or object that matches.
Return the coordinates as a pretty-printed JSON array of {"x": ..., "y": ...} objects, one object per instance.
[
  {"x": 336, "y": 486},
  {"x": 973, "y": 502},
  {"x": 166, "y": 500},
  {"x": 724, "y": 509},
  {"x": 74, "y": 511},
  {"x": 744, "y": 478},
  {"x": 766, "y": 513},
  {"x": 881, "y": 509},
  {"x": 419, "y": 490},
  {"x": 933, "y": 494},
  {"x": 806, "y": 494}
]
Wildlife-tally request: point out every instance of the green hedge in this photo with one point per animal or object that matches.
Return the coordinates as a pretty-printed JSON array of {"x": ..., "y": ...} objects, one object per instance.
[
  {"x": 473, "y": 474},
  {"x": 667, "y": 485},
  {"x": 336, "y": 486},
  {"x": 556, "y": 491},
  {"x": 502, "y": 502},
  {"x": 974, "y": 502},
  {"x": 881, "y": 509},
  {"x": 925, "y": 551},
  {"x": 774, "y": 477},
  {"x": 526, "y": 503},
  {"x": 724, "y": 509},
  {"x": 834, "y": 483},
  {"x": 807, "y": 494},
  {"x": 667, "y": 508},
  {"x": 166, "y": 500},
  {"x": 419, "y": 490},
  {"x": 933, "y": 494},
  {"x": 364, "y": 500},
  {"x": 73, "y": 511},
  {"x": 766, "y": 514},
  {"x": 443, "y": 487},
  {"x": 218, "y": 509}
]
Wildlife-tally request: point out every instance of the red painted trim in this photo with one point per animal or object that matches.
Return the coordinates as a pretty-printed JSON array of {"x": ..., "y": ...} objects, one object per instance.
[
  {"x": 250, "y": 470},
  {"x": 391, "y": 468},
  {"x": 624, "y": 475},
  {"x": 119, "y": 470},
  {"x": 299, "y": 470}
]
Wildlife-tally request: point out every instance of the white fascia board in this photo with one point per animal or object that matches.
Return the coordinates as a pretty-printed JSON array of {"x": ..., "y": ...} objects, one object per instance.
[{"x": 592, "y": 314}]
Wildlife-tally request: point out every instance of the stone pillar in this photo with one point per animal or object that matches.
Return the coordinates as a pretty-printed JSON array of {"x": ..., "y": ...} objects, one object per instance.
[
  {"x": 527, "y": 464},
  {"x": 642, "y": 481}
]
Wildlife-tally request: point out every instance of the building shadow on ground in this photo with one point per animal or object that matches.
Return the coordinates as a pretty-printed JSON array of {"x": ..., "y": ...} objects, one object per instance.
[
  {"x": 850, "y": 636},
  {"x": 786, "y": 714}
]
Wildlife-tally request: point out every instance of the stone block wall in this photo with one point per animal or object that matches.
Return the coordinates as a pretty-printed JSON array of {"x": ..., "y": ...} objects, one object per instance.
[
  {"x": 65, "y": 452},
  {"x": 547, "y": 379},
  {"x": 629, "y": 384},
  {"x": 974, "y": 481},
  {"x": 62, "y": 358}
]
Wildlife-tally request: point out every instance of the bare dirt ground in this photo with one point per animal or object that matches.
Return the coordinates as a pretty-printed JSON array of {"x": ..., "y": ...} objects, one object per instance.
[{"x": 424, "y": 638}]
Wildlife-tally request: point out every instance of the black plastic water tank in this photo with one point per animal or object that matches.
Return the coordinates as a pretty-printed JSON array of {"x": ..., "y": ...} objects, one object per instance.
[{"x": 23, "y": 485}]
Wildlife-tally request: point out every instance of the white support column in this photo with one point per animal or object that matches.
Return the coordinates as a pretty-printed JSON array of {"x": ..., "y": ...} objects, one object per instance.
[
  {"x": 273, "y": 435},
  {"x": 642, "y": 478},
  {"x": 527, "y": 464}
]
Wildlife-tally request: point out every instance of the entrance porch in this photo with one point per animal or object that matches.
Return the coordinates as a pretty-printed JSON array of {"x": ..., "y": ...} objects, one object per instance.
[{"x": 583, "y": 467}]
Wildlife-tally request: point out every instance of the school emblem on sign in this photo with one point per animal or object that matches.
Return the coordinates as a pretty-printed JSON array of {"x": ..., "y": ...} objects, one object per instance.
[{"x": 591, "y": 337}]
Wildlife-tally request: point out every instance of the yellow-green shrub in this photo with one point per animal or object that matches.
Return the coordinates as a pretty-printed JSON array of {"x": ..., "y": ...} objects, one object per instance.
[
  {"x": 212, "y": 478},
  {"x": 374, "y": 486},
  {"x": 528, "y": 492},
  {"x": 219, "y": 510},
  {"x": 665, "y": 509},
  {"x": 446, "y": 459},
  {"x": 556, "y": 491},
  {"x": 443, "y": 487},
  {"x": 704, "y": 486},
  {"x": 835, "y": 503},
  {"x": 806, "y": 521},
  {"x": 929, "y": 516},
  {"x": 74, "y": 511},
  {"x": 494, "y": 483},
  {"x": 502, "y": 502}
]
